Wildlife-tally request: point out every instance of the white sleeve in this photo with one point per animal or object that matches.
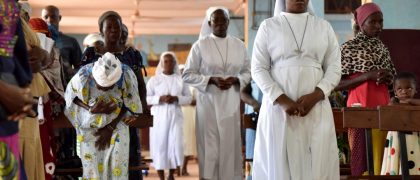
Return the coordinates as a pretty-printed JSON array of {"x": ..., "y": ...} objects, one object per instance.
[
  {"x": 186, "y": 97},
  {"x": 152, "y": 98},
  {"x": 245, "y": 74},
  {"x": 331, "y": 65},
  {"x": 192, "y": 75},
  {"x": 261, "y": 66}
]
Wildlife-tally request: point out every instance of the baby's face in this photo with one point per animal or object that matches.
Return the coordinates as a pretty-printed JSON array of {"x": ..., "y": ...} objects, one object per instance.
[{"x": 404, "y": 89}]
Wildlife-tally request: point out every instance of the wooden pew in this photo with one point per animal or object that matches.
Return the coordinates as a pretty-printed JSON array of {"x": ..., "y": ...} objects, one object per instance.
[
  {"x": 378, "y": 177},
  {"x": 144, "y": 121},
  {"x": 338, "y": 120},
  {"x": 363, "y": 118},
  {"x": 387, "y": 118},
  {"x": 401, "y": 119}
]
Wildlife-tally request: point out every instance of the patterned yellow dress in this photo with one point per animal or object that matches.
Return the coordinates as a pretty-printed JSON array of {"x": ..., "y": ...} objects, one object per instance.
[{"x": 111, "y": 163}]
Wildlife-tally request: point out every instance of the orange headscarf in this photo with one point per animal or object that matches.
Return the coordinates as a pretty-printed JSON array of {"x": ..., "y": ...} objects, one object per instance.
[{"x": 39, "y": 25}]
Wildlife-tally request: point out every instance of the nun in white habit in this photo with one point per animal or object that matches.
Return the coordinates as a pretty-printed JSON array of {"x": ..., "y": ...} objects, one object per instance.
[
  {"x": 296, "y": 63},
  {"x": 218, "y": 67},
  {"x": 166, "y": 92}
]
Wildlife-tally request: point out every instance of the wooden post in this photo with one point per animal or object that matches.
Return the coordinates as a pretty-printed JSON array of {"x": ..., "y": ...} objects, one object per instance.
[{"x": 363, "y": 118}]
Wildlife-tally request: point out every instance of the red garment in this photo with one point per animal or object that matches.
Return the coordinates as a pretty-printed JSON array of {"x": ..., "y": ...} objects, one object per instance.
[
  {"x": 47, "y": 134},
  {"x": 39, "y": 25},
  {"x": 369, "y": 95}
]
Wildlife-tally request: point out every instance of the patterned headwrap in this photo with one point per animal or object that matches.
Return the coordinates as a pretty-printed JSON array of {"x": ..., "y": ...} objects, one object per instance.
[
  {"x": 8, "y": 10},
  {"x": 107, "y": 70},
  {"x": 364, "y": 11},
  {"x": 40, "y": 26},
  {"x": 105, "y": 15}
]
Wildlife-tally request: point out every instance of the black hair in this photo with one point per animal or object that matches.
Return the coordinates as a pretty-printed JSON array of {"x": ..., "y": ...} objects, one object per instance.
[{"x": 406, "y": 75}]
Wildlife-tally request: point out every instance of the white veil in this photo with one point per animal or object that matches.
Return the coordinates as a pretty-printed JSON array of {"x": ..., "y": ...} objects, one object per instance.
[
  {"x": 159, "y": 68},
  {"x": 205, "y": 28},
  {"x": 281, "y": 7}
]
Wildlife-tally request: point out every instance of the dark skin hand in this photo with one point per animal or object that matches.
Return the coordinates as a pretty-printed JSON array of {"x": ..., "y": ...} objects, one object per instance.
[
  {"x": 246, "y": 96},
  {"x": 406, "y": 102},
  {"x": 19, "y": 101},
  {"x": 104, "y": 134},
  {"x": 99, "y": 107},
  {"x": 193, "y": 102},
  {"x": 303, "y": 105},
  {"x": 102, "y": 107},
  {"x": 168, "y": 99},
  {"x": 130, "y": 120},
  {"x": 308, "y": 101},
  {"x": 224, "y": 84},
  {"x": 381, "y": 76},
  {"x": 38, "y": 59},
  {"x": 414, "y": 102},
  {"x": 290, "y": 106}
]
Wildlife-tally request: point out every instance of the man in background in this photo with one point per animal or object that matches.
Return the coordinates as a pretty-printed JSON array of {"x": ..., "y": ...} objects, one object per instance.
[{"x": 69, "y": 48}]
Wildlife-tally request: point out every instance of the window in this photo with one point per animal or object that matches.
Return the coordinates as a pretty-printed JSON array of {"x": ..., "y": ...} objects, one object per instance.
[{"x": 341, "y": 6}]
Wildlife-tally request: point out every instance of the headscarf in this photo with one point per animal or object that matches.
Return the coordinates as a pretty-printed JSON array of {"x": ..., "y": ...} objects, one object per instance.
[
  {"x": 363, "y": 54},
  {"x": 364, "y": 11},
  {"x": 205, "y": 27},
  {"x": 54, "y": 32},
  {"x": 107, "y": 70},
  {"x": 25, "y": 7},
  {"x": 91, "y": 39},
  {"x": 31, "y": 37},
  {"x": 39, "y": 25},
  {"x": 280, "y": 6},
  {"x": 8, "y": 39},
  {"x": 159, "y": 68},
  {"x": 105, "y": 15}
]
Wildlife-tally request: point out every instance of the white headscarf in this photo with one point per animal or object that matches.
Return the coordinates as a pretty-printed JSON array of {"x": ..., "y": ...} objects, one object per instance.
[
  {"x": 107, "y": 70},
  {"x": 205, "y": 28},
  {"x": 281, "y": 7},
  {"x": 90, "y": 39},
  {"x": 25, "y": 6},
  {"x": 159, "y": 68}
]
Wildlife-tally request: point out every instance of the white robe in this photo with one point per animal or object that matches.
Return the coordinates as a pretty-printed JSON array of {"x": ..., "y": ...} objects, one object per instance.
[
  {"x": 218, "y": 114},
  {"x": 166, "y": 139},
  {"x": 291, "y": 147}
]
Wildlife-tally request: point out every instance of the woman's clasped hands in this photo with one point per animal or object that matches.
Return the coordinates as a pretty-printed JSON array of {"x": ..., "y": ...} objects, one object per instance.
[{"x": 303, "y": 105}]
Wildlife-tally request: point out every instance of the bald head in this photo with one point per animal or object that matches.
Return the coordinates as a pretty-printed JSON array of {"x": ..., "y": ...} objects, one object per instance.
[{"x": 51, "y": 15}]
